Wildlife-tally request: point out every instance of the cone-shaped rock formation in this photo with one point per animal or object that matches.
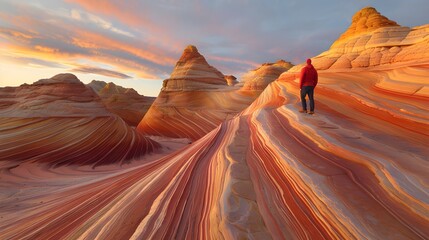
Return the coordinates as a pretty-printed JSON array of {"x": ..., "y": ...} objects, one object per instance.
[{"x": 194, "y": 100}]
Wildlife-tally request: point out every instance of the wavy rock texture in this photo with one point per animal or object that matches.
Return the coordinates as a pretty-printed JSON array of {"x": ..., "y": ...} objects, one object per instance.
[
  {"x": 373, "y": 40},
  {"x": 194, "y": 100},
  {"x": 366, "y": 20},
  {"x": 60, "y": 121},
  {"x": 259, "y": 78},
  {"x": 192, "y": 72},
  {"x": 355, "y": 170},
  {"x": 124, "y": 102}
]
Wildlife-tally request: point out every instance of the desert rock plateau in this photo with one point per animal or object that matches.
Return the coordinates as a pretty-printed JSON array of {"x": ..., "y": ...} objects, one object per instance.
[{"x": 214, "y": 158}]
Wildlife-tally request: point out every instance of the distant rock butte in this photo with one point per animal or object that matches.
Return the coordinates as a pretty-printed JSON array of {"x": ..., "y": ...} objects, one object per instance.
[
  {"x": 60, "y": 121},
  {"x": 125, "y": 102},
  {"x": 192, "y": 72},
  {"x": 259, "y": 78}
]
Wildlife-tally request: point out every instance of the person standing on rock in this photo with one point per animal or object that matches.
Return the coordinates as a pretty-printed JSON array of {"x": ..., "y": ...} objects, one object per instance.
[{"x": 307, "y": 83}]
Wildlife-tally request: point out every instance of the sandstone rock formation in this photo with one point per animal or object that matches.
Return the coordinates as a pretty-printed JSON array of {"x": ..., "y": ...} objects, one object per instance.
[
  {"x": 365, "y": 21},
  {"x": 192, "y": 72},
  {"x": 374, "y": 40},
  {"x": 60, "y": 121},
  {"x": 194, "y": 100},
  {"x": 125, "y": 102},
  {"x": 357, "y": 169},
  {"x": 259, "y": 78}
]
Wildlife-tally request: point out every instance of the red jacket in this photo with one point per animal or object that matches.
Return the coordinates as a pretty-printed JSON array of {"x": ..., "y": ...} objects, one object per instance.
[{"x": 308, "y": 76}]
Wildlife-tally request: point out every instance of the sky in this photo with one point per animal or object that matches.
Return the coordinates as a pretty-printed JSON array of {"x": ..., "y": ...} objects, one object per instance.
[{"x": 136, "y": 43}]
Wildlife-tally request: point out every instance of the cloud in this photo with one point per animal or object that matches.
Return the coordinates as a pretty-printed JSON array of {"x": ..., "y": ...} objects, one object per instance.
[
  {"x": 34, "y": 62},
  {"x": 69, "y": 39},
  {"x": 102, "y": 23},
  {"x": 14, "y": 35},
  {"x": 101, "y": 71}
]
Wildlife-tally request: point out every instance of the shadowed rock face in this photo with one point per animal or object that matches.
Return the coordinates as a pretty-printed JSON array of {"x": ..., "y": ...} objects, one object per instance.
[
  {"x": 125, "y": 102},
  {"x": 357, "y": 169},
  {"x": 60, "y": 121}
]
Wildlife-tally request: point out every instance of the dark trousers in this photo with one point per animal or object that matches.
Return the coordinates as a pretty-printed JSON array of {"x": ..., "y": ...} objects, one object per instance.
[{"x": 307, "y": 90}]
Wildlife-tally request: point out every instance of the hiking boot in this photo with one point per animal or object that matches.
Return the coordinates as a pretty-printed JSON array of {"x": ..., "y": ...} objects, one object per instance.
[
  {"x": 303, "y": 111},
  {"x": 311, "y": 112}
]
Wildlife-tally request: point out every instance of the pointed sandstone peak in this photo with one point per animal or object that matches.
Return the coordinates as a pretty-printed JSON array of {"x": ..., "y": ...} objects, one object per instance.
[
  {"x": 193, "y": 72},
  {"x": 190, "y": 54},
  {"x": 366, "y": 20}
]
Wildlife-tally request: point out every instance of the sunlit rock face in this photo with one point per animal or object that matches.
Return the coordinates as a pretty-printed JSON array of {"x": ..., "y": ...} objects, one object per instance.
[
  {"x": 357, "y": 169},
  {"x": 194, "y": 100},
  {"x": 192, "y": 72},
  {"x": 125, "y": 102},
  {"x": 259, "y": 78},
  {"x": 366, "y": 20},
  {"x": 373, "y": 40},
  {"x": 60, "y": 121}
]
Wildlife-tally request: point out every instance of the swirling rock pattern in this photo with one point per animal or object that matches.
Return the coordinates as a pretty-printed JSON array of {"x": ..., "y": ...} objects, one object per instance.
[
  {"x": 357, "y": 169},
  {"x": 382, "y": 42},
  {"x": 60, "y": 121},
  {"x": 367, "y": 19},
  {"x": 192, "y": 72},
  {"x": 194, "y": 100},
  {"x": 124, "y": 102}
]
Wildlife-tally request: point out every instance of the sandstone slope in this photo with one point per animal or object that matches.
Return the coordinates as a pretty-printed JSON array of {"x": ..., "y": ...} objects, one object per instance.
[
  {"x": 357, "y": 169},
  {"x": 60, "y": 121}
]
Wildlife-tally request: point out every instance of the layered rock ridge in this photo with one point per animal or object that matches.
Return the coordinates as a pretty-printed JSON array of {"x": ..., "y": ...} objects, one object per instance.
[
  {"x": 194, "y": 100},
  {"x": 357, "y": 169},
  {"x": 60, "y": 121},
  {"x": 373, "y": 40},
  {"x": 192, "y": 72}
]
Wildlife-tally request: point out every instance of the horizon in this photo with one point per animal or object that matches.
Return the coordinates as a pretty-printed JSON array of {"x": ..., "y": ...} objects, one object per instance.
[{"x": 136, "y": 45}]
